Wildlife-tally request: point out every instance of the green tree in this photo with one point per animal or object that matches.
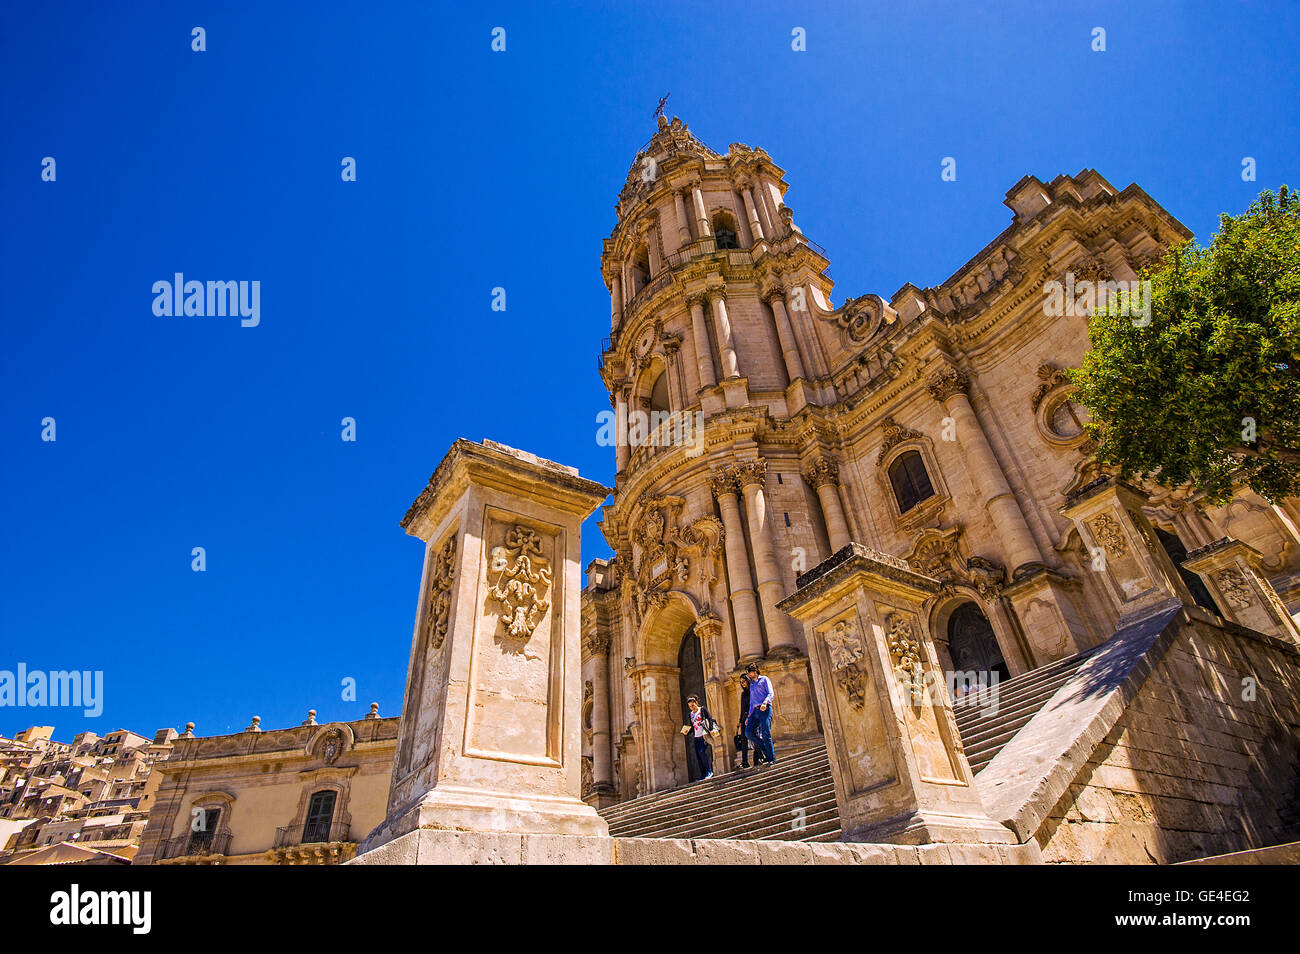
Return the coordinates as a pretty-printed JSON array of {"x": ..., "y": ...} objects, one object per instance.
[{"x": 1207, "y": 392}]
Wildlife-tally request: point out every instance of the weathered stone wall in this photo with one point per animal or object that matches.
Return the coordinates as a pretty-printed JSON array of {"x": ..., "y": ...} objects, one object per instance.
[{"x": 1196, "y": 766}]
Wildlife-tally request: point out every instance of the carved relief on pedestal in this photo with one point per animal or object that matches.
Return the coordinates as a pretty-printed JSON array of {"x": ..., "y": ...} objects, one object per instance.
[
  {"x": 1109, "y": 534},
  {"x": 438, "y": 604},
  {"x": 846, "y": 652},
  {"x": 520, "y": 580},
  {"x": 1234, "y": 587},
  {"x": 905, "y": 650}
]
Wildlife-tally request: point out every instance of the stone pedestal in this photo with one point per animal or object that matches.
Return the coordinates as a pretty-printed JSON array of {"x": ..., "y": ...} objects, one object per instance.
[
  {"x": 900, "y": 773},
  {"x": 490, "y": 734},
  {"x": 1135, "y": 569},
  {"x": 1045, "y": 607},
  {"x": 1231, "y": 571}
]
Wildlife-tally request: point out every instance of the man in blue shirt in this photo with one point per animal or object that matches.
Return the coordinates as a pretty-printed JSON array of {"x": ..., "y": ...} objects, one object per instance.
[{"x": 758, "y": 728}]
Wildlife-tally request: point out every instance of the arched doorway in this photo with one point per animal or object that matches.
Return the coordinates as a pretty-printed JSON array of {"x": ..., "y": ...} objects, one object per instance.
[
  {"x": 690, "y": 682},
  {"x": 973, "y": 646}
]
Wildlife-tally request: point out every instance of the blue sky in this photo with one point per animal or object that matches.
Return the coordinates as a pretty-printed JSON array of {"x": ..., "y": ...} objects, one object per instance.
[{"x": 475, "y": 169}]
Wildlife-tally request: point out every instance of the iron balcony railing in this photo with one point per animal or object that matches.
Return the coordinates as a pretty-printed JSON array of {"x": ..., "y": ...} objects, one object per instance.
[
  {"x": 198, "y": 844},
  {"x": 292, "y": 835}
]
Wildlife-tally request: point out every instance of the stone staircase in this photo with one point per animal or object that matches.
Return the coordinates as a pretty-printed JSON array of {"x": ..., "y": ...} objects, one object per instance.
[
  {"x": 794, "y": 800},
  {"x": 1016, "y": 701}
]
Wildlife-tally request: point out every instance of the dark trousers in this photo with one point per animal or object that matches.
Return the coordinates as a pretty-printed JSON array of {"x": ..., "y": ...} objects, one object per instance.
[
  {"x": 744, "y": 748},
  {"x": 704, "y": 755},
  {"x": 759, "y": 730}
]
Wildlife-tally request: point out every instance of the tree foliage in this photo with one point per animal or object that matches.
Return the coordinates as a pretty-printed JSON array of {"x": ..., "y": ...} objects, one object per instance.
[{"x": 1208, "y": 393}]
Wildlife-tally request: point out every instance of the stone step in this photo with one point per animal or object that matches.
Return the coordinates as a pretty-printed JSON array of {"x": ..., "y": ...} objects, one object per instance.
[
  {"x": 737, "y": 782},
  {"x": 815, "y": 792}
]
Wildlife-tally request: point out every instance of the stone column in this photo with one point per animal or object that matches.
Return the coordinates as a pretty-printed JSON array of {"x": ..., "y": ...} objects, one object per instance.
[
  {"x": 1135, "y": 569},
  {"x": 722, "y": 325},
  {"x": 780, "y": 638},
  {"x": 900, "y": 772},
  {"x": 651, "y": 238},
  {"x": 621, "y": 449},
  {"x": 744, "y": 609},
  {"x": 785, "y": 334},
  {"x": 596, "y": 646},
  {"x": 490, "y": 741},
  {"x": 823, "y": 475},
  {"x": 949, "y": 387},
  {"x": 1231, "y": 570},
  {"x": 701, "y": 217},
  {"x": 683, "y": 223},
  {"x": 616, "y": 300},
  {"x": 755, "y": 226},
  {"x": 767, "y": 209},
  {"x": 703, "y": 353}
]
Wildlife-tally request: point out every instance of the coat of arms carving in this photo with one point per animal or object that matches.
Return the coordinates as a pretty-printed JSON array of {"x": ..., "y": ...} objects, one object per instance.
[
  {"x": 669, "y": 553},
  {"x": 520, "y": 578}
]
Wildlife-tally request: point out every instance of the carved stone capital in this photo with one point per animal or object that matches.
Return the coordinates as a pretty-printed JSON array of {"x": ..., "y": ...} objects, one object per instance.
[
  {"x": 697, "y": 298},
  {"x": 724, "y": 482},
  {"x": 595, "y": 644},
  {"x": 752, "y": 472},
  {"x": 716, "y": 291},
  {"x": 946, "y": 382},
  {"x": 822, "y": 471}
]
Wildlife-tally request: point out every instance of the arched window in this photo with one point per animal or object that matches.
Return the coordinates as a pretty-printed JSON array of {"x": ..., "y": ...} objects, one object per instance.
[
  {"x": 724, "y": 231},
  {"x": 201, "y": 837},
  {"x": 659, "y": 394},
  {"x": 640, "y": 269},
  {"x": 910, "y": 481}
]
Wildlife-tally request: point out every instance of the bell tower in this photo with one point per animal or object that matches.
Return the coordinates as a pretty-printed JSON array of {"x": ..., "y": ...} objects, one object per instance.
[{"x": 714, "y": 348}]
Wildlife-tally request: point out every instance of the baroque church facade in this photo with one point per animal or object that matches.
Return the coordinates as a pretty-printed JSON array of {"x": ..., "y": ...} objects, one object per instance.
[{"x": 936, "y": 426}]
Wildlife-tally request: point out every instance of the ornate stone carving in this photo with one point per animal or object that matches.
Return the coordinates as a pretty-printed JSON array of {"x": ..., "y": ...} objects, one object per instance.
[
  {"x": 668, "y": 553},
  {"x": 846, "y": 652},
  {"x": 1091, "y": 269},
  {"x": 905, "y": 650},
  {"x": 1234, "y": 587},
  {"x": 935, "y": 554},
  {"x": 438, "y": 603},
  {"x": 595, "y": 644},
  {"x": 588, "y": 776},
  {"x": 822, "y": 471},
  {"x": 986, "y": 576},
  {"x": 752, "y": 472},
  {"x": 724, "y": 482},
  {"x": 1109, "y": 534},
  {"x": 332, "y": 746},
  {"x": 895, "y": 434},
  {"x": 946, "y": 382},
  {"x": 1050, "y": 377},
  {"x": 522, "y": 581}
]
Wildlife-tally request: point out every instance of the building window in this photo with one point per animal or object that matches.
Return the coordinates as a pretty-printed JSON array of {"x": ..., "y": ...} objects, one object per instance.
[
  {"x": 727, "y": 238},
  {"x": 910, "y": 481},
  {"x": 201, "y": 837},
  {"x": 320, "y": 813}
]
